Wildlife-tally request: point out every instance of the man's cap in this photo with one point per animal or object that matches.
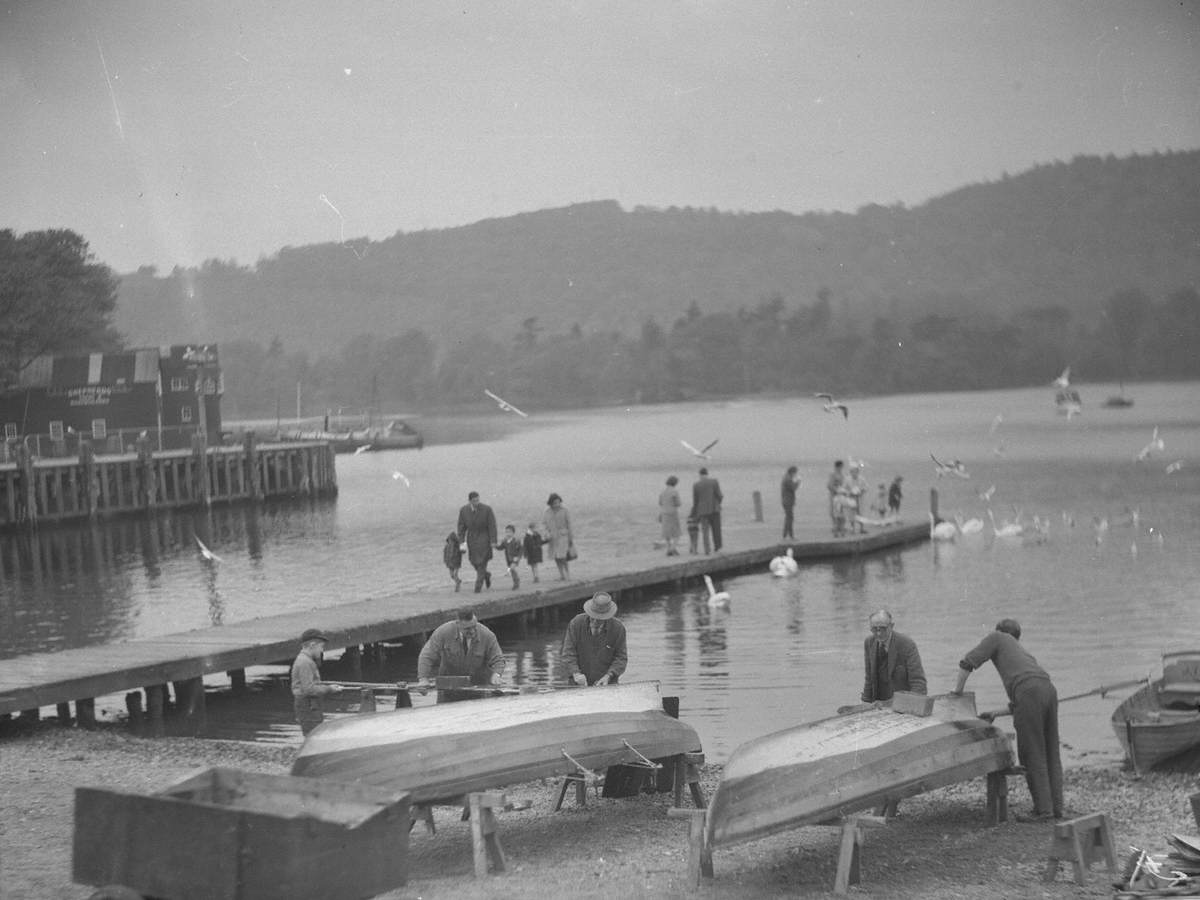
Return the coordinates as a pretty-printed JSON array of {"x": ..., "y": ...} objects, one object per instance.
[
  {"x": 601, "y": 606},
  {"x": 313, "y": 634}
]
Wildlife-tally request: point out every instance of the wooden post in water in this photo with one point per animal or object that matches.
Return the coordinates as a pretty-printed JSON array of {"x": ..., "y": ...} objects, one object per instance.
[
  {"x": 758, "y": 509},
  {"x": 28, "y": 485},
  {"x": 250, "y": 461},
  {"x": 87, "y": 461},
  {"x": 933, "y": 503},
  {"x": 147, "y": 488}
]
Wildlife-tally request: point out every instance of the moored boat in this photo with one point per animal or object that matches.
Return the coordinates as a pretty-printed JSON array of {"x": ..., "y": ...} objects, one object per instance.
[
  {"x": 819, "y": 770},
  {"x": 1162, "y": 719},
  {"x": 446, "y": 750}
]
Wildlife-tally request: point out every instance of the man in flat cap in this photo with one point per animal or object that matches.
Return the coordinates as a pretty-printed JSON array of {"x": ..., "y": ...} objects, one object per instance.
[
  {"x": 308, "y": 690},
  {"x": 593, "y": 650}
]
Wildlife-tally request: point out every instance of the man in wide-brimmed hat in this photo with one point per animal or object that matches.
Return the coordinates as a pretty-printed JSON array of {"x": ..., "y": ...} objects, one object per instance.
[
  {"x": 307, "y": 687},
  {"x": 593, "y": 650}
]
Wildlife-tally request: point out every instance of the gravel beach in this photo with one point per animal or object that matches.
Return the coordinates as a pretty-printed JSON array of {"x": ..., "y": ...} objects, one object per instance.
[{"x": 938, "y": 847}]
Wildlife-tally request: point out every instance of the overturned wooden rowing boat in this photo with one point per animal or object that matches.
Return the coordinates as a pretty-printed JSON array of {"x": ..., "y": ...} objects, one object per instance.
[
  {"x": 1162, "y": 720},
  {"x": 444, "y": 751},
  {"x": 817, "y": 771}
]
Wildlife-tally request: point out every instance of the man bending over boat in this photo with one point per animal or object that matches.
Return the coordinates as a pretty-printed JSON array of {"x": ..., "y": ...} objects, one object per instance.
[
  {"x": 891, "y": 660},
  {"x": 462, "y": 646},
  {"x": 1034, "y": 704},
  {"x": 593, "y": 650},
  {"x": 307, "y": 687}
]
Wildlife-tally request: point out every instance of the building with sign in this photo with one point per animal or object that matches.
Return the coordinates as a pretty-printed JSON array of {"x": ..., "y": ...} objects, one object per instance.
[{"x": 172, "y": 393}]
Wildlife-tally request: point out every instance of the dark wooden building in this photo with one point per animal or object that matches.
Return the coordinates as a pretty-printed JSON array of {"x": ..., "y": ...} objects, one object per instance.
[{"x": 172, "y": 393}]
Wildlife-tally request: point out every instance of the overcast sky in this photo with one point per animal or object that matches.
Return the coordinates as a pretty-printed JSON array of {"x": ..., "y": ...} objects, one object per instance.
[{"x": 169, "y": 133}]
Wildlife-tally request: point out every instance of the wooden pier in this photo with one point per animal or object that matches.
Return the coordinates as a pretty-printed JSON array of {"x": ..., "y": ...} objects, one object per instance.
[
  {"x": 29, "y": 683},
  {"x": 37, "y": 491}
]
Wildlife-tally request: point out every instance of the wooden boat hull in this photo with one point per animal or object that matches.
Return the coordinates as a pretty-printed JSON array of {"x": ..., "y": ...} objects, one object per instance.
[
  {"x": 820, "y": 770},
  {"x": 444, "y": 751},
  {"x": 1152, "y": 734}
]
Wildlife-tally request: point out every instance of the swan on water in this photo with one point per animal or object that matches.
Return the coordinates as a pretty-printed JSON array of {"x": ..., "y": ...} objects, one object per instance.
[
  {"x": 942, "y": 531},
  {"x": 783, "y": 566},
  {"x": 1156, "y": 443},
  {"x": 1008, "y": 529},
  {"x": 715, "y": 598},
  {"x": 974, "y": 525}
]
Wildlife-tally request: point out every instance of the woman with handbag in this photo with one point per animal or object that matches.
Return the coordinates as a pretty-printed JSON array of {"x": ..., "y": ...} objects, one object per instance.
[{"x": 556, "y": 528}]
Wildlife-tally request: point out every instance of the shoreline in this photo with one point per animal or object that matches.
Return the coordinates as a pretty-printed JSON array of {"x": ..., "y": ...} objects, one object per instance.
[{"x": 937, "y": 848}]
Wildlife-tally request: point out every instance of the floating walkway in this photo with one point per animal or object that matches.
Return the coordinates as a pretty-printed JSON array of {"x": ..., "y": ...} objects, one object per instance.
[{"x": 28, "y": 683}]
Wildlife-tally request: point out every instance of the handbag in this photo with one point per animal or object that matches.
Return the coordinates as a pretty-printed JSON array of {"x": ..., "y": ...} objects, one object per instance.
[{"x": 571, "y": 554}]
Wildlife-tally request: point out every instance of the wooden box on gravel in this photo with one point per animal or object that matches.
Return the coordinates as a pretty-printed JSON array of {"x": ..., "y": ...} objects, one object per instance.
[{"x": 224, "y": 833}]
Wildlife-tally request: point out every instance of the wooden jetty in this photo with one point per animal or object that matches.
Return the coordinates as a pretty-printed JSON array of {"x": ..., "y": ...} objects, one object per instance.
[
  {"x": 28, "y": 683},
  {"x": 35, "y": 491}
]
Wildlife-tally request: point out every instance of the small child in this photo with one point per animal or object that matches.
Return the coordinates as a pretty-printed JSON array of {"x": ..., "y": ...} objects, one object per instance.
[
  {"x": 693, "y": 530},
  {"x": 512, "y": 553},
  {"x": 532, "y": 545},
  {"x": 452, "y": 557}
]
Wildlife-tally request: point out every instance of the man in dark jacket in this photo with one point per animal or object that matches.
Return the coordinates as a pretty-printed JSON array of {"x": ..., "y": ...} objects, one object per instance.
[
  {"x": 462, "y": 646},
  {"x": 477, "y": 526},
  {"x": 787, "y": 495},
  {"x": 593, "y": 650},
  {"x": 706, "y": 507},
  {"x": 891, "y": 659}
]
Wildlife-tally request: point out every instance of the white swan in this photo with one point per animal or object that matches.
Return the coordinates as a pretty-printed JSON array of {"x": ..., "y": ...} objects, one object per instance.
[
  {"x": 1008, "y": 529},
  {"x": 973, "y": 525},
  {"x": 714, "y": 598},
  {"x": 784, "y": 566},
  {"x": 942, "y": 531},
  {"x": 1064, "y": 380}
]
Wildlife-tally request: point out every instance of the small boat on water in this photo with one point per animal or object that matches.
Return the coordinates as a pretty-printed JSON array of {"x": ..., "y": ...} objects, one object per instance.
[
  {"x": 446, "y": 750},
  {"x": 810, "y": 773},
  {"x": 1162, "y": 720},
  {"x": 396, "y": 435}
]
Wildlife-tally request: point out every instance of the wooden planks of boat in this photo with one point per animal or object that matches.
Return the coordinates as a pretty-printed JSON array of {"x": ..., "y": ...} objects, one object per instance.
[
  {"x": 444, "y": 751},
  {"x": 820, "y": 770},
  {"x": 1162, "y": 719}
]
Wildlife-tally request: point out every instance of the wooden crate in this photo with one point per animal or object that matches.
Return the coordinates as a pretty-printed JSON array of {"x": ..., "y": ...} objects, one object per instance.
[{"x": 224, "y": 833}]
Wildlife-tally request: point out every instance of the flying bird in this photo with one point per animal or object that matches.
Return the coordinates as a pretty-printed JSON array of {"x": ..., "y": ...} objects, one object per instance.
[
  {"x": 699, "y": 454},
  {"x": 505, "y": 405},
  {"x": 954, "y": 467},
  {"x": 1174, "y": 467},
  {"x": 1063, "y": 380},
  {"x": 400, "y": 476},
  {"x": 832, "y": 405},
  {"x": 1100, "y": 525},
  {"x": 361, "y": 448},
  {"x": 1156, "y": 443},
  {"x": 715, "y": 598},
  {"x": 986, "y": 496},
  {"x": 205, "y": 552}
]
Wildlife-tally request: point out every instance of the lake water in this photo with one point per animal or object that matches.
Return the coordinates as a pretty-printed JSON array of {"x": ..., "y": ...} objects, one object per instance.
[{"x": 1097, "y": 607}]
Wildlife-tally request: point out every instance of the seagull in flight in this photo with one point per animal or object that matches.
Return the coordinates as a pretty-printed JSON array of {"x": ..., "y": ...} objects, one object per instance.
[
  {"x": 1174, "y": 467},
  {"x": 699, "y": 454},
  {"x": 1063, "y": 380},
  {"x": 986, "y": 496},
  {"x": 205, "y": 552},
  {"x": 1156, "y": 443},
  {"x": 505, "y": 405},
  {"x": 361, "y": 448},
  {"x": 954, "y": 467},
  {"x": 400, "y": 476},
  {"x": 832, "y": 405}
]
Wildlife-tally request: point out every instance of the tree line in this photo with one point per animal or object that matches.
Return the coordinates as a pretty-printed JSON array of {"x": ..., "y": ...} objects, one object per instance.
[{"x": 764, "y": 348}]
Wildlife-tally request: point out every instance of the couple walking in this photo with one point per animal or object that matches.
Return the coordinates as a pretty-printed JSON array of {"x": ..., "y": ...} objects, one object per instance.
[
  {"x": 477, "y": 529},
  {"x": 705, "y": 513}
]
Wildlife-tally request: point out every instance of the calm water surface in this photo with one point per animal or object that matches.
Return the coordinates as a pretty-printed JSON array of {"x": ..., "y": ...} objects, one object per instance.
[{"x": 1097, "y": 607}]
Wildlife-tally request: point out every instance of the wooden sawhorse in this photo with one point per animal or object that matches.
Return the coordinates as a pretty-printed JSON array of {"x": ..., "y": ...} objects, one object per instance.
[
  {"x": 687, "y": 775},
  {"x": 485, "y": 842},
  {"x": 997, "y": 793},
  {"x": 1080, "y": 841},
  {"x": 849, "y": 868}
]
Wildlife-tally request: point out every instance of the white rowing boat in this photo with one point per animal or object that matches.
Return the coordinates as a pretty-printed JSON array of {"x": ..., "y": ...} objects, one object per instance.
[
  {"x": 444, "y": 751},
  {"x": 819, "y": 770}
]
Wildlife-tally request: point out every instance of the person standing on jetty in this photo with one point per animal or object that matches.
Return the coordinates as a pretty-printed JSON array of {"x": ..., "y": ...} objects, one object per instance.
[
  {"x": 531, "y": 546},
  {"x": 706, "y": 506},
  {"x": 668, "y": 515},
  {"x": 891, "y": 661},
  {"x": 512, "y": 553},
  {"x": 477, "y": 526},
  {"x": 895, "y": 495},
  {"x": 835, "y": 485},
  {"x": 462, "y": 646},
  {"x": 308, "y": 691},
  {"x": 556, "y": 525},
  {"x": 1033, "y": 701},
  {"x": 787, "y": 491},
  {"x": 593, "y": 650}
]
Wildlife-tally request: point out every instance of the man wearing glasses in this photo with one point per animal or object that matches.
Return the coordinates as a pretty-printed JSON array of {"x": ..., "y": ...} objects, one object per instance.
[{"x": 892, "y": 661}]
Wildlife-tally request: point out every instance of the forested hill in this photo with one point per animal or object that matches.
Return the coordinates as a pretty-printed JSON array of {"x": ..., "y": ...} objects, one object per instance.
[{"x": 1064, "y": 235}]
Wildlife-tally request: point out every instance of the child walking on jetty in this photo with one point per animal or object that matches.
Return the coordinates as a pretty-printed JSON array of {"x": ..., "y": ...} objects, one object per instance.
[
  {"x": 452, "y": 557},
  {"x": 693, "y": 530},
  {"x": 531, "y": 544},
  {"x": 512, "y": 553}
]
